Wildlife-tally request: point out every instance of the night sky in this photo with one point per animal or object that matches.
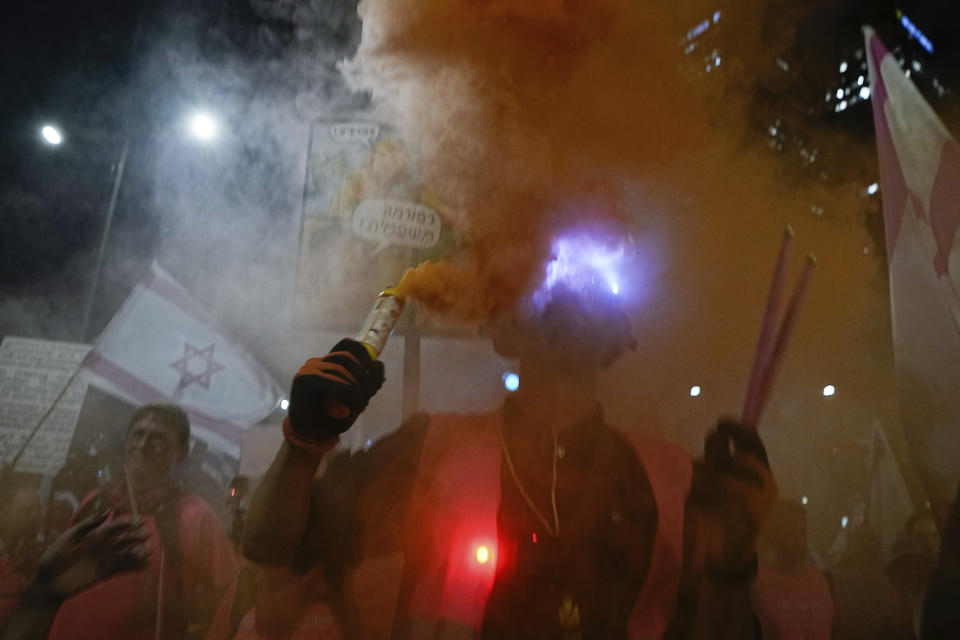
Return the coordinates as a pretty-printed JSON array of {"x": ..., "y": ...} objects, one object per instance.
[{"x": 106, "y": 72}]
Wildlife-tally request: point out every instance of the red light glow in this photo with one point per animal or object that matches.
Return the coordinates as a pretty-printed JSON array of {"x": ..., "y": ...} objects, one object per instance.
[{"x": 483, "y": 554}]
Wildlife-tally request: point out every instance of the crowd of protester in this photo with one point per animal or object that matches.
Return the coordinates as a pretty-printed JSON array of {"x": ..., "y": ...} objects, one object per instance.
[
  {"x": 631, "y": 538},
  {"x": 92, "y": 568}
]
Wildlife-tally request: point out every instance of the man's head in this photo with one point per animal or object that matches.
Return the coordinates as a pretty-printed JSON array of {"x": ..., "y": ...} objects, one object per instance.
[
  {"x": 581, "y": 329},
  {"x": 575, "y": 317},
  {"x": 158, "y": 438}
]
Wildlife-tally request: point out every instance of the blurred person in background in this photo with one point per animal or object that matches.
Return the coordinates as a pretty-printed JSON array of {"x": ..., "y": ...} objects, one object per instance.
[
  {"x": 941, "y": 610},
  {"x": 238, "y": 494},
  {"x": 538, "y": 520},
  {"x": 191, "y": 560},
  {"x": 861, "y": 591},
  {"x": 911, "y": 564},
  {"x": 21, "y": 511},
  {"x": 304, "y": 601},
  {"x": 791, "y": 597}
]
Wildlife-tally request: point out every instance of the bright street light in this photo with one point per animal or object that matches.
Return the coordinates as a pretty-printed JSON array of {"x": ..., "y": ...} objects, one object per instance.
[
  {"x": 695, "y": 391},
  {"x": 203, "y": 126},
  {"x": 51, "y": 134},
  {"x": 829, "y": 390}
]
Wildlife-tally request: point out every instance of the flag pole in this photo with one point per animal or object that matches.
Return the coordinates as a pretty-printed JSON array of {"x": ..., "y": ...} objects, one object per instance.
[
  {"x": 780, "y": 346},
  {"x": 761, "y": 356},
  {"x": 105, "y": 236}
]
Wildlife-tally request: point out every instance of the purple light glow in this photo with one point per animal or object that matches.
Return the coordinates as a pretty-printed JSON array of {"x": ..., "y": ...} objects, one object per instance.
[{"x": 583, "y": 262}]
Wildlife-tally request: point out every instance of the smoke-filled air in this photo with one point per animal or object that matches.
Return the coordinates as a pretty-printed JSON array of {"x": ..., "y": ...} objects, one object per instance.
[
  {"x": 526, "y": 117},
  {"x": 662, "y": 331},
  {"x": 529, "y": 118}
]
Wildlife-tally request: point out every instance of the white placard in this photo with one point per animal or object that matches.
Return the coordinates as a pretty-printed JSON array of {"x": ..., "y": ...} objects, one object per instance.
[
  {"x": 32, "y": 373},
  {"x": 396, "y": 222}
]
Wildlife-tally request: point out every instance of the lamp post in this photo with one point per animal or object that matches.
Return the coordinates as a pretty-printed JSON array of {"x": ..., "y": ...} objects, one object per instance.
[
  {"x": 203, "y": 127},
  {"x": 108, "y": 223}
]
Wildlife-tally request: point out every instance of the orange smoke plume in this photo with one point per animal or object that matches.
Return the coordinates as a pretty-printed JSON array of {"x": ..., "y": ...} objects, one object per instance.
[
  {"x": 517, "y": 108},
  {"x": 444, "y": 288}
]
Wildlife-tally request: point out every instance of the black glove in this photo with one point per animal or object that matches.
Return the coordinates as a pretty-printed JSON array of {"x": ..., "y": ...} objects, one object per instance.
[
  {"x": 86, "y": 553},
  {"x": 329, "y": 393},
  {"x": 733, "y": 488}
]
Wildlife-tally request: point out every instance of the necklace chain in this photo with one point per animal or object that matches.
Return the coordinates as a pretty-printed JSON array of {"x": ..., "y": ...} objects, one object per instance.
[{"x": 553, "y": 530}]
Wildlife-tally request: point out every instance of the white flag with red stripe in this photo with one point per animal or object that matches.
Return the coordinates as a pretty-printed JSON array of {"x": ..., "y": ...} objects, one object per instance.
[
  {"x": 162, "y": 346},
  {"x": 920, "y": 182}
]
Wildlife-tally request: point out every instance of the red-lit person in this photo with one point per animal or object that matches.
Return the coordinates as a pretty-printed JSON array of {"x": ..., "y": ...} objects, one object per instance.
[
  {"x": 791, "y": 597},
  {"x": 191, "y": 560},
  {"x": 538, "y": 520}
]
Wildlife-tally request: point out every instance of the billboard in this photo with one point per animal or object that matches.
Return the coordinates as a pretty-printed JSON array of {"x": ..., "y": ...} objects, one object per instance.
[{"x": 365, "y": 219}]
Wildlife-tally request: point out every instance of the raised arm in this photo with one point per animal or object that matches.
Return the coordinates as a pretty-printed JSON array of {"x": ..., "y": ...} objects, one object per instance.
[
  {"x": 280, "y": 507},
  {"x": 732, "y": 491},
  {"x": 326, "y": 397}
]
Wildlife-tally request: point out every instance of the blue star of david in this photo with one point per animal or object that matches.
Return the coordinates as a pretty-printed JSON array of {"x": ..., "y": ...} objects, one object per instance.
[{"x": 190, "y": 375}]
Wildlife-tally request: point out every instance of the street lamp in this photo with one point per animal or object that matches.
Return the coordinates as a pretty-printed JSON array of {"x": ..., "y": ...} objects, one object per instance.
[
  {"x": 203, "y": 126},
  {"x": 51, "y": 135}
]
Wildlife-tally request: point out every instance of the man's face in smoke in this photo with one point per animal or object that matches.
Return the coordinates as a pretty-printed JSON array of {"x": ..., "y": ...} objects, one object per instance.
[
  {"x": 153, "y": 448},
  {"x": 587, "y": 330}
]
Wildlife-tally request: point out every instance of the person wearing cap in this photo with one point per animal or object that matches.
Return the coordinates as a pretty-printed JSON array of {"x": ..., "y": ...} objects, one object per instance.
[{"x": 538, "y": 520}]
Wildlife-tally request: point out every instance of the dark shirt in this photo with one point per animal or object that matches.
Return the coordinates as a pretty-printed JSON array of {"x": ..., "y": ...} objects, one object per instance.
[
  {"x": 608, "y": 521},
  {"x": 607, "y": 517}
]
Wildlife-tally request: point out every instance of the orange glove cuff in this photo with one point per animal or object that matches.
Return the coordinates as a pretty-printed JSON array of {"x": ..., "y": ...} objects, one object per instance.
[{"x": 316, "y": 447}]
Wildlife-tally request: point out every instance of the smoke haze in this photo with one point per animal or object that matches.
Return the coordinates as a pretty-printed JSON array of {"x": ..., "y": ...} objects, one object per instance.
[{"x": 528, "y": 117}]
